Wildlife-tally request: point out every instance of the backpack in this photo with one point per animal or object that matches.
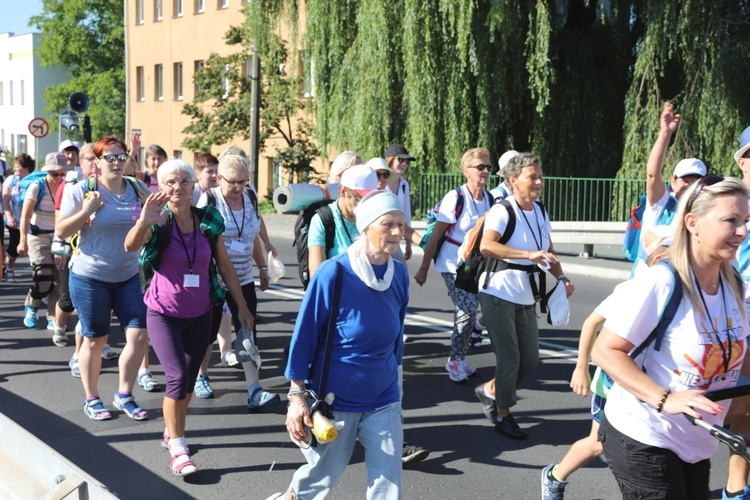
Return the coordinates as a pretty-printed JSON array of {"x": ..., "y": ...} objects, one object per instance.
[
  {"x": 302, "y": 225},
  {"x": 34, "y": 177},
  {"x": 211, "y": 199},
  {"x": 632, "y": 239},
  {"x": 471, "y": 263}
]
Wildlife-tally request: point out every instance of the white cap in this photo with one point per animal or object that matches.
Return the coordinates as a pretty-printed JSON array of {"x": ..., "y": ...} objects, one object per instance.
[
  {"x": 690, "y": 166},
  {"x": 360, "y": 178},
  {"x": 378, "y": 164},
  {"x": 503, "y": 161},
  {"x": 67, "y": 143},
  {"x": 374, "y": 206},
  {"x": 744, "y": 144}
]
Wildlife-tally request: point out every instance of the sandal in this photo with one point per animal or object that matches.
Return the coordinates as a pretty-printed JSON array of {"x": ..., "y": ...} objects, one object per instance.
[
  {"x": 476, "y": 340},
  {"x": 95, "y": 410},
  {"x": 130, "y": 407},
  {"x": 165, "y": 441},
  {"x": 148, "y": 382},
  {"x": 182, "y": 465}
]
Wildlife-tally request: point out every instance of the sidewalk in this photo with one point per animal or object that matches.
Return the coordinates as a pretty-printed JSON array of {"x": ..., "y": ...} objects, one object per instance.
[{"x": 607, "y": 263}]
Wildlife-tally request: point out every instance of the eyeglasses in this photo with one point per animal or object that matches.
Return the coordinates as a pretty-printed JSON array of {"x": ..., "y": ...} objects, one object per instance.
[
  {"x": 708, "y": 180},
  {"x": 235, "y": 183},
  {"x": 184, "y": 183},
  {"x": 482, "y": 167},
  {"x": 383, "y": 175},
  {"x": 122, "y": 157},
  {"x": 56, "y": 174}
]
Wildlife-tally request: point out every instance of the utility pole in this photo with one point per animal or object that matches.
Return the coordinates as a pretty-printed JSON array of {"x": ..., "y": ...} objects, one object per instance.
[{"x": 254, "y": 150}]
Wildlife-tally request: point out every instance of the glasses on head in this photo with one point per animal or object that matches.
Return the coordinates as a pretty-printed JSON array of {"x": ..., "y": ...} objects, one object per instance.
[
  {"x": 56, "y": 174},
  {"x": 708, "y": 180},
  {"x": 111, "y": 158},
  {"x": 482, "y": 167},
  {"x": 183, "y": 183},
  {"x": 383, "y": 175},
  {"x": 236, "y": 183}
]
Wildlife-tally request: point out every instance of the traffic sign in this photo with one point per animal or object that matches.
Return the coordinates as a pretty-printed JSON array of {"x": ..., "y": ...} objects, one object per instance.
[{"x": 38, "y": 127}]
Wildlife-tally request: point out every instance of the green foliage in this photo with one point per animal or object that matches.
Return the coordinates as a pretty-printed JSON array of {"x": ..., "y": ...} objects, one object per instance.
[
  {"x": 87, "y": 37},
  {"x": 221, "y": 110}
]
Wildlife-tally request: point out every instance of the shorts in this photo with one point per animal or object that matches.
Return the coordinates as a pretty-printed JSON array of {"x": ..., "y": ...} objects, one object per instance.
[
  {"x": 597, "y": 408},
  {"x": 95, "y": 300}
]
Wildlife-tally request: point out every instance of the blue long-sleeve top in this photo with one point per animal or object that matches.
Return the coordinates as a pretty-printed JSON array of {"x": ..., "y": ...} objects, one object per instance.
[{"x": 368, "y": 341}]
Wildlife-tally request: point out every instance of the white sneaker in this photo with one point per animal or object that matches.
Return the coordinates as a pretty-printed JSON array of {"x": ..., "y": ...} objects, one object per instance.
[
  {"x": 468, "y": 370},
  {"x": 455, "y": 370}
]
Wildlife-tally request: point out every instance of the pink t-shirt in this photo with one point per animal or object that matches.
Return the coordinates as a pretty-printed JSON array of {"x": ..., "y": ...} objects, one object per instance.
[{"x": 168, "y": 294}]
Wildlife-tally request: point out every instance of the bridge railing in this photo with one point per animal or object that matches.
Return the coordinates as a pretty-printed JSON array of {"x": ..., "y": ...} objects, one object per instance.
[{"x": 567, "y": 198}]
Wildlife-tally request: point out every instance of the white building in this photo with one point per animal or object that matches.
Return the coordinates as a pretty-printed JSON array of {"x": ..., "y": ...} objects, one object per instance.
[{"x": 22, "y": 84}]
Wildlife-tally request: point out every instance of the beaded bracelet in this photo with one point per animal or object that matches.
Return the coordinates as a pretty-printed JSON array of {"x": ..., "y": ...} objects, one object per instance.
[{"x": 663, "y": 399}]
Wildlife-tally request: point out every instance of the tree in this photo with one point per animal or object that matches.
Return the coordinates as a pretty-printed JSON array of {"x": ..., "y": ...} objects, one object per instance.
[
  {"x": 221, "y": 109},
  {"x": 87, "y": 37}
]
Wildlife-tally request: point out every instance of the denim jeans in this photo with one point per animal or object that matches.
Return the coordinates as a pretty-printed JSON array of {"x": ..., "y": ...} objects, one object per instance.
[
  {"x": 380, "y": 433},
  {"x": 95, "y": 300}
]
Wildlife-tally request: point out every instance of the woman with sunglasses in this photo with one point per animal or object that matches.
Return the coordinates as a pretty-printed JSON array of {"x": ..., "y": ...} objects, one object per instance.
[
  {"x": 453, "y": 221},
  {"x": 104, "y": 277},
  {"x": 653, "y": 450},
  {"x": 37, "y": 228}
]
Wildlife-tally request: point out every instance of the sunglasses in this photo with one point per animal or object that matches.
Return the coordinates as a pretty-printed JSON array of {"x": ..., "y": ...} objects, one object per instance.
[
  {"x": 482, "y": 167},
  {"x": 111, "y": 158},
  {"x": 56, "y": 174},
  {"x": 708, "y": 180},
  {"x": 383, "y": 175}
]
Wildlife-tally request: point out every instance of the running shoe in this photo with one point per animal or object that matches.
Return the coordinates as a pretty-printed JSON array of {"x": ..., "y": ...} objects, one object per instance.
[
  {"x": 10, "y": 275},
  {"x": 202, "y": 388},
  {"x": 551, "y": 489},
  {"x": 509, "y": 428},
  {"x": 454, "y": 367},
  {"x": 30, "y": 319},
  {"x": 412, "y": 453},
  {"x": 469, "y": 371}
]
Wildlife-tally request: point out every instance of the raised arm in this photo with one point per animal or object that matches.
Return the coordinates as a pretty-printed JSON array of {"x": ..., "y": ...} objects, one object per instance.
[{"x": 668, "y": 123}]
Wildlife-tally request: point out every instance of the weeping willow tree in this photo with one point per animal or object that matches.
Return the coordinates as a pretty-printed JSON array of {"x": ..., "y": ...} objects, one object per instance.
[
  {"x": 694, "y": 54},
  {"x": 579, "y": 82}
]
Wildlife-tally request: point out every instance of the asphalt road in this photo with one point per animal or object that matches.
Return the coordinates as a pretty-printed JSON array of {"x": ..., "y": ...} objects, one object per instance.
[{"x": 250, "y": 455}]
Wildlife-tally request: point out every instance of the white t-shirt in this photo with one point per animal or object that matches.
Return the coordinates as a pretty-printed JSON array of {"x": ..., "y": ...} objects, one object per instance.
[
  {"x": 44, "y": 216},
  {"x": 402, "y": 192},
  {"x": 500, "y": 192},
  {"x": 651, "y": 216},
  {"x": 473, "y": 209},
  {"x": 531, "y": 233},
  {"x": 689, "y": 358}
]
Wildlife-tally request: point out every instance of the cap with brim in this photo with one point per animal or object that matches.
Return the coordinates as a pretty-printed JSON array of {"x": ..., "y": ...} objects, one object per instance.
[
  {"x": 54, "y": 162},
  {"x": 690, "y": 166},
  {"x": 657, "y": 236},
  {"x": 360, "y": 178},
  {"x": 378, "y": 164},
  {"x": 399, "y": 151},
  {"x": 744, "y": 144},
  {"x": 67, "y": 143},
  {"x": 502, "y": 162}
]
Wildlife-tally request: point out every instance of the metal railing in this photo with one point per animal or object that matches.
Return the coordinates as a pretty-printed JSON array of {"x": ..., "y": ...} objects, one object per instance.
[{"x": 566, "y": 198}]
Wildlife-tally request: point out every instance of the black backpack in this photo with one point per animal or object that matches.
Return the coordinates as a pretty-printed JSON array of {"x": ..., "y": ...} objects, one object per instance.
[
  {"x": 301, "y": 226},
  {"x": 468, "y": 272}
]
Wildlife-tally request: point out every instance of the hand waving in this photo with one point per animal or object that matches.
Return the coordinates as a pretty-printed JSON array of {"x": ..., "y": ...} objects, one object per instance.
[{"x": 153, "y": 209}]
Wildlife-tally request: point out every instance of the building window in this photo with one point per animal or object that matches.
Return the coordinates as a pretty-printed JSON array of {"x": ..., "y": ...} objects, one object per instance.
[
  {"x": 140, "y": 84},
  {"x": 224, "y": 82},
  {"x": 10, "y": 92},
  {"x": 177, "y": 8},
  {"x": 200, "y": 6},
  {"x": 158, "y": 12},
  {"x": 23, "y": 93},
  {"x": 159, "y": 82},
  {"x": 197, "y": 67},
  {"x": 139, "y": 12},
  {"x": 222, "y": 4},
  {"x": 2, "y": 87},
  {"x": 23, "y": 146},
  {"x": 178, "y": 81}
]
